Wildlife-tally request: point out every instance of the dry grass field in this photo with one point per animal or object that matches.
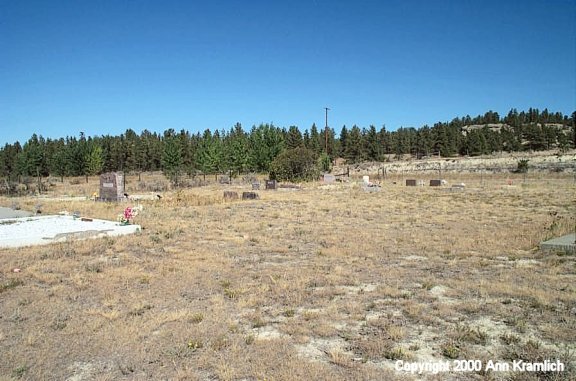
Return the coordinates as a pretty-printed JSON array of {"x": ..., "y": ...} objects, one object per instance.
[{"x": 328, "y": 282}]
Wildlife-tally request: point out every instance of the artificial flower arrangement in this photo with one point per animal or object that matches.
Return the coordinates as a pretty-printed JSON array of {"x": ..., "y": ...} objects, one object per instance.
[{"x": 129, "y": 213}]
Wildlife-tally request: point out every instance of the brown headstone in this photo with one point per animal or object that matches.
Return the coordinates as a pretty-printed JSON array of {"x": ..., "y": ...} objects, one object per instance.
[
  {"x": 229, "y": 195},
  {"x": 410, "y": 183},
  {"x": 111, "y": 186},
  {"x": 250, "y": 196}
]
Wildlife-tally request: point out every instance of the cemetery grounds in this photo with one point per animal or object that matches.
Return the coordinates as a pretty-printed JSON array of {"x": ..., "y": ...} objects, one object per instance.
[{"x": 326, "y": 282}]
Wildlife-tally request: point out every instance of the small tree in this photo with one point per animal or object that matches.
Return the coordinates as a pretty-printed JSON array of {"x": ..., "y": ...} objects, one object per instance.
[
  {"x": 93, "y": 161},
  {"x": 324, "y": 162},
  {"x": 298, "y": 164}
]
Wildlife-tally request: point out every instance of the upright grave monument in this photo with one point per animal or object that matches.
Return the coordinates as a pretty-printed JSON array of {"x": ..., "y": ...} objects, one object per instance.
[{"x": 112, "y": 186}]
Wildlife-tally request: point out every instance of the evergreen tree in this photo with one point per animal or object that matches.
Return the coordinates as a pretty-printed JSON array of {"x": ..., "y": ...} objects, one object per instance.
[
  {"x": 94, "y": 160},
  {"x": 236, "y": 150},
  {"x": 384, "y": 140},
  {"x": 130, "y": 141},
  {"x": 293, "y": 138},
  {"x": 58, "y": 165},
  {"x": 372, "y": 147},
  {"x": 172, "y": 158},
  {"x": 209, "y": 155},
  {"x": 11, "y": 152},
  {"x": 343, "y": 141},
  {"x": 423, "y": 142},
  {"x": 32, "y": 161},
  {"x": 266, "y": 142},
  {"x": 306, "y": 139},
  {"x": 330, "y": 139},
  {"x": 354, "y": 146},
  {"x": 187, "y": 150},
  {"x": 315, "y": 139},
  {"x": 475, "y": 143}
]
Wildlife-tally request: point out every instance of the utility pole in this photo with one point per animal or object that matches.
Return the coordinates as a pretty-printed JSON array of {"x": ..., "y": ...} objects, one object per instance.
[{"x": 326, "y": 130}]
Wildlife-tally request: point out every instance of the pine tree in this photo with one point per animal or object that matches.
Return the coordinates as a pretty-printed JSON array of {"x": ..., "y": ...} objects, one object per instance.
[
  {"x": 343, "y": 141},
  {"x": 293, "y": 138},
  {"x": 172, "y": 158},
  {"x": 315, "y": 138},
  {"x": 354, "y": 147},
  {"x": 266, "y": 142},
  {"x": 209, "y": 155},
  {"x": 306, "y": 139},
  {"x": 94, "y": 162},
  {"x": 236, "y": 150},
  {"x": 371, "y": 145},
  {"x": 32, "y": 160}
]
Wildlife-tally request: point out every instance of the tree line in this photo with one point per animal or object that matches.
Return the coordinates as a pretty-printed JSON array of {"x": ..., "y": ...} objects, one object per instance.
[{"x": 238, "y": 151}]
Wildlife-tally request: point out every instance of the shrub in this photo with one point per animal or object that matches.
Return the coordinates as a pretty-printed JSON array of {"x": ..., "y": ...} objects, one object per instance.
[
  {"x": 297, "y": 164},
  {"x": 522, "y": 166}
]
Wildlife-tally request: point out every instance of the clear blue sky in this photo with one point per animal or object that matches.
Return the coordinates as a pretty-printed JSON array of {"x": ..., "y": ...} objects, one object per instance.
[{"x": 105, "y": 66}]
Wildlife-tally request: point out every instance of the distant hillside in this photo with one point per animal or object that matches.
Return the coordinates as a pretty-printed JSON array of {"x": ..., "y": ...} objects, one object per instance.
[{"x": 499, "y": 163}]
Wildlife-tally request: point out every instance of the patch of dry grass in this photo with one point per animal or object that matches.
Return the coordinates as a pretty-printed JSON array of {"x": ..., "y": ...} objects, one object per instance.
[{"x": 320, "y": 283}]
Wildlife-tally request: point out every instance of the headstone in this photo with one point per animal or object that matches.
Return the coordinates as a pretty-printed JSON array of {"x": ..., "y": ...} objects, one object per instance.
[
  {"x": 255, "y": 186},
  {"x": 435, "y": 183},
  {"x": 112, "y": 186},
  {"x": 366, "y": 179},
  {"x": 229, "y": 195},
  {"x": 410, "y": 183},
  {"x": 250, "y": 196},
  {"x": 271, "y": 184},
  {"x": 329, "y": 178}
]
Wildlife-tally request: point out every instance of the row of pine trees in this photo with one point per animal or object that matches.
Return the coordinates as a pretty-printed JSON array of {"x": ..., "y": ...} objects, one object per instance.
[{"x": 239, "y": 151}]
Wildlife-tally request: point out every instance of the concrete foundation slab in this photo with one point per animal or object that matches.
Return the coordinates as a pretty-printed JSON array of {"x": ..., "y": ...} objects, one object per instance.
[
  {"x": 565, "y": 243},
  {"x": 18, "y": 232},
  {"x": 11, "y": 213}
]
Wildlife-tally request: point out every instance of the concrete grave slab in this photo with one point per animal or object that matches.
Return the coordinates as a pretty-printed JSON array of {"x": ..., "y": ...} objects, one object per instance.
[
  {"x": 566, "y": 243},
  {"x": 11, "y": 213},
  {"x": 28, "y": 231}
]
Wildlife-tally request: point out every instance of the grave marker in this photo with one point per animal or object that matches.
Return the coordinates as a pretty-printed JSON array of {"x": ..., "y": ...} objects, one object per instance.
[
  {"x": 329, "y": 178},
  {"x": 250, "y": 196},
  {"x": 229, "y": 195},
  {"x": 112, "y": 186}
]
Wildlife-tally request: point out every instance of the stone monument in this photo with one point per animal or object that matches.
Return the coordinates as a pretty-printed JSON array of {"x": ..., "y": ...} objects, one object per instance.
[{"x": 112, "y": 186}]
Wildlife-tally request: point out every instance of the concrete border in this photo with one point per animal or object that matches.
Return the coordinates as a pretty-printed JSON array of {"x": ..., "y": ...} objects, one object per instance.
[{"x": 565, "y": 243}]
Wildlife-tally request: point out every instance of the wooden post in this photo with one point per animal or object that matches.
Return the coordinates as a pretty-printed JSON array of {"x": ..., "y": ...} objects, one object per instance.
[{"x": 39, "y": 180}]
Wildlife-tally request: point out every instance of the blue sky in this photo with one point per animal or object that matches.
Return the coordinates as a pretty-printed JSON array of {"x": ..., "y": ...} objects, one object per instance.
[{"x": 102, "y": 67}]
